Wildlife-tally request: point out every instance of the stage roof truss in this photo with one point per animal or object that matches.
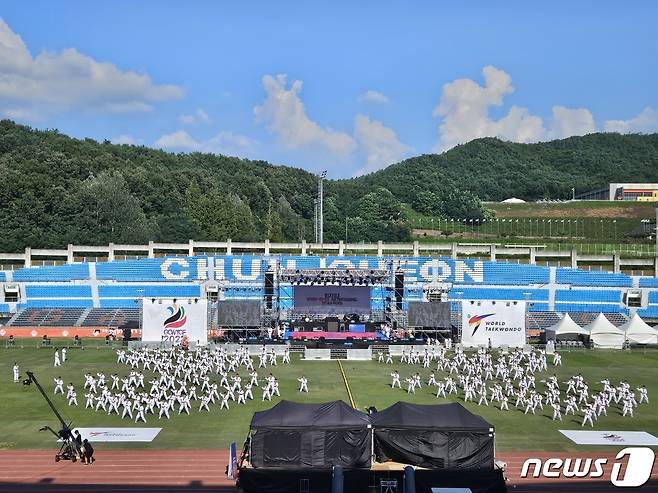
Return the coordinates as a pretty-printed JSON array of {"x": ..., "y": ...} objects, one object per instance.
[{"x": 347, "y": 277}]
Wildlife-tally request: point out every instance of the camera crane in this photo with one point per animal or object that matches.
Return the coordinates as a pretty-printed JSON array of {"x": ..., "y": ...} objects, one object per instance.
[{"x": 68, "y": 449}]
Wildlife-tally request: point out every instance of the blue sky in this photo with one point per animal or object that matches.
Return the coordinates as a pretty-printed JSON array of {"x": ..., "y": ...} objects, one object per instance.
[{"x": 345, "y": 86}]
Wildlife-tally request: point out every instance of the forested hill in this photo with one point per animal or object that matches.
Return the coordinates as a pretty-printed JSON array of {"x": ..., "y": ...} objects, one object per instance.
[
  {"x": 495, "y": 170},
  {"x": 56, "y": 190}
]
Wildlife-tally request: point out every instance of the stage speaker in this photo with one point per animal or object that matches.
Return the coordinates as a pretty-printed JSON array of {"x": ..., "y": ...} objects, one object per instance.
[
  {"x": 399, "y": 289},
  {"x": 332, "y": 324},
  {"x": 127, "y": 334},
  {"x": 269, "y": 289}
]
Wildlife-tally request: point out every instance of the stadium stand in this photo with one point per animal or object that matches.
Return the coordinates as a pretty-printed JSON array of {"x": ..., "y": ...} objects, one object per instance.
[
  {"x": 37, "y": 317},
  {"x": 148, "y": 290},
  {"x": 111, "y": 290},
  {"x": 541, "y": 320},
  {"x": 586, "y": 278},
  {"x": 583, "y": 318},
  {"x": 110, "y": 317},
  {"x": 57, "y": 291}
]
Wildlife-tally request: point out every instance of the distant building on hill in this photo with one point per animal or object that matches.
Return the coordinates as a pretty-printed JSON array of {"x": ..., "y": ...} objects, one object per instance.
[{"x": 634, "y": 192}]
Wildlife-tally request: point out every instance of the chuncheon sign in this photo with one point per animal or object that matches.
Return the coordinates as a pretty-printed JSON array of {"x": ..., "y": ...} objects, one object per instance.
[
  {"x": 501, "y": 322},
  {"x": 167, "y": 321}
]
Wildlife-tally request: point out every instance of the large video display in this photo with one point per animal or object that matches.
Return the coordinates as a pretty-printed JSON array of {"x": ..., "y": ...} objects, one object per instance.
[{"x": 332, "y": 299}]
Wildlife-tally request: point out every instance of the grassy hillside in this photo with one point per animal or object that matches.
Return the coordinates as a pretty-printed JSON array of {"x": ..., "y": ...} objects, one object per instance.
[
  {"x": 58, "y": 190},
  {"x": 494, "y": 170}
]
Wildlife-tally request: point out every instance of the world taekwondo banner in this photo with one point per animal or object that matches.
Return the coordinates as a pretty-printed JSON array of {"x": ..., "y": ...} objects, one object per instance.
[
  {"x": 168, "y": 320},
  {"x": 493, "y": 322}
]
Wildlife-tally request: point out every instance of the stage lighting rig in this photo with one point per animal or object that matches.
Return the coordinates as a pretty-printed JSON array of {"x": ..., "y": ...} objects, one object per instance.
[{"x": 340, "y": 277}]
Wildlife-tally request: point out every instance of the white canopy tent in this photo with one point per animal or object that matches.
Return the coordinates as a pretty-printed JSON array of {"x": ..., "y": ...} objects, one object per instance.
[
  {"x": 567, "y": 327},
  {"x": 604, "y": 334},
  {"x": 639, "y": 332}
]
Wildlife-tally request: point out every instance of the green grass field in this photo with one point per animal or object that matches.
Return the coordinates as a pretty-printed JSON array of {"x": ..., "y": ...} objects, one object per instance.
[{"x": 23, "y": 411}]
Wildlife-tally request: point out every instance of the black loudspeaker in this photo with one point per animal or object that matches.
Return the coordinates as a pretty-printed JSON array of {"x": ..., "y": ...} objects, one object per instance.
[
  {"x": 127, "y": 334},
  {"x": 332, "y": 324},
  {"x": 269, "y": 289},
  {"x": 399, "y": 289}
]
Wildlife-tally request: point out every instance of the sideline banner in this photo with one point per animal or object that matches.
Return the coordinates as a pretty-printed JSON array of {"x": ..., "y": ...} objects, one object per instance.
[
  {"x": 169, "y": 320},
  {"x": 119, "y": 434},
  {"x": 498, "y": 322},
  {"x": 618, "y": 438}
]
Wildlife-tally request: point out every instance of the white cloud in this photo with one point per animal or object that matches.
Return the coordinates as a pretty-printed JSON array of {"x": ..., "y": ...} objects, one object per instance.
[
  {"x": 22, "y": 114},
  {"x": 285, "y": 115},
  {"x": 127, "y": 107},
  {"x": 127, "y": 139},
  {"x": 380, "y": 144},
  {"x": 371, "y": 96},
  {"x": 69, "y": 79},
  {"x": 464, "y": 109},
  {"x": 568, "y": 122},
  {"x": 178, "y": 140},
  {"x": 645, "y": 122},
  {"x": 197, "y": 118},
  {"x": 226, "y": 143}
]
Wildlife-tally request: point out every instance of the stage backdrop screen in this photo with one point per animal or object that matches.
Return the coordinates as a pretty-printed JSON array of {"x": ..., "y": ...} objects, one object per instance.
[
  {"x": 238, "y": 313},
  {"x": 501, "y": 321},
  {"x": 332, "y": 299},
  {"x": 167, "y": 321},
  {"x": 432, "y": 314}
]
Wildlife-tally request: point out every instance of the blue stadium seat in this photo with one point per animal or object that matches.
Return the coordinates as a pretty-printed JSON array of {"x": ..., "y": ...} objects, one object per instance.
[
  {"x": 649, "y": 282},
  {"x": 149, "y": 290},
  {"x": 586, "y": 307},
  {"x": 57, "y": 291},
  {"x": 67, "y": 272},
  {"x": 65, "y": 303},
  {"x": 588, "y": 295},
  {"x": 591, "y": 278}
]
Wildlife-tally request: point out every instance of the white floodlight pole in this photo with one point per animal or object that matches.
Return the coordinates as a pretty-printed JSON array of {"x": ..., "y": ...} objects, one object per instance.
[
  {"x": 323, "y": 175},
  {"x": 316, "y": 226}
]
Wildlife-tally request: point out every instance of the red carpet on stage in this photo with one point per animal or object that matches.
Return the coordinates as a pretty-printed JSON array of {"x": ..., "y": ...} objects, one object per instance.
[{"x": 333, "y": 335}]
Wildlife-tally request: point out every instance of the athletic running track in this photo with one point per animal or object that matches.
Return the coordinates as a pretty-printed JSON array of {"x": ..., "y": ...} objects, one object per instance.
[{"x": 160, "y": 471}]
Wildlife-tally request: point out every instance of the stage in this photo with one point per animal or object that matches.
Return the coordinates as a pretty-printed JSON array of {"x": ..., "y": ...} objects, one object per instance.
[{"x": 334, "y": 336}]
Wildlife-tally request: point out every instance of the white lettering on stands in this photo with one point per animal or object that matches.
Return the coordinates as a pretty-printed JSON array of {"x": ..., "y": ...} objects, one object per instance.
[
  {"x": 410, "y": 268},
  {"x": 462, "y": 270},
  {"x": 444, "y": 271},
  {"x": 237, "y": 270},
  {"x": 202, "y": 269},
  {"x": 165, "y": 269}
]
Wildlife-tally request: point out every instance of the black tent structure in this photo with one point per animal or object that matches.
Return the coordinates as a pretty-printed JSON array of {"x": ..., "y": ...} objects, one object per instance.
[
  {"x": 443, "y": 436},
  {"x": 295, "y": 435}
]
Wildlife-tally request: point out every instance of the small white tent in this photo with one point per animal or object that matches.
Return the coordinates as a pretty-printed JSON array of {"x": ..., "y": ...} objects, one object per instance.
[
  {"x": 604, "y": 334},
  {"x": 639, "y": 332},
  {"x": 567, "y": 327}
]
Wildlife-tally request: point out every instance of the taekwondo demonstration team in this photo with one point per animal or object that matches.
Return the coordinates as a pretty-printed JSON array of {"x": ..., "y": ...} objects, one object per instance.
[{"x": 183, "y": 380}]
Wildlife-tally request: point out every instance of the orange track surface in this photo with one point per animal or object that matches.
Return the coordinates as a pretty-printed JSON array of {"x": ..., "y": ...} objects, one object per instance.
[{"x": 203, "y": 471}]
